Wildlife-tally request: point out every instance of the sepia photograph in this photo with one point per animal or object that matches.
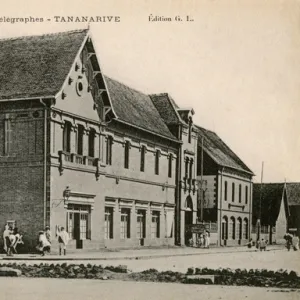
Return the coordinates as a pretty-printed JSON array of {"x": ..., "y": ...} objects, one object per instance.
[{"x": 150, "y": 149}]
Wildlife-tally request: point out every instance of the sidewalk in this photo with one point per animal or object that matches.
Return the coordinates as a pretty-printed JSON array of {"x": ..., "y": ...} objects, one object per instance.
[{"x": 134, "y": 254}]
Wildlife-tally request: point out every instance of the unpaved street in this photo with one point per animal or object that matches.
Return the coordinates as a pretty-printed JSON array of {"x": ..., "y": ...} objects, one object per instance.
[{"x": 78, "y": 289}]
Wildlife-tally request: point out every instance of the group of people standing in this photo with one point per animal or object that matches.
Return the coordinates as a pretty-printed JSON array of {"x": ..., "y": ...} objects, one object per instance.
[
  {"x": 202, "y": 240},
  {"x": 11, "y": 238},
  {"x": 44, "y": 242}
]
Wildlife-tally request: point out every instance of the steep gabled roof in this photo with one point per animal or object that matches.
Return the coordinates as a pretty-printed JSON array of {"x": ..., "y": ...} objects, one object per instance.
[
  {"x": 219, "y": 151},
  {"x": 166, "y": 108},
  {"x": 36, "y": 66},
  {"x": 136, "y": 108},
  {"x": 270, "y": 196},
  {"x": 293, "y": 193}
]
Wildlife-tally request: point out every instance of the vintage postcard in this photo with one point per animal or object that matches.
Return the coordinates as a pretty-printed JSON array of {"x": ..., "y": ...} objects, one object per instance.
[{"x": 151, "y": 146}]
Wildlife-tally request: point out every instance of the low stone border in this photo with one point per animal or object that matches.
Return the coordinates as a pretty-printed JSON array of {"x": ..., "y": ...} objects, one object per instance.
[{"x": 262, "y": 278}]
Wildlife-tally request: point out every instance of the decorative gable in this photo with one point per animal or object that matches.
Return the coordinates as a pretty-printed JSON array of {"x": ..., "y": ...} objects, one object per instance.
[{"x": 84, "y": 90}]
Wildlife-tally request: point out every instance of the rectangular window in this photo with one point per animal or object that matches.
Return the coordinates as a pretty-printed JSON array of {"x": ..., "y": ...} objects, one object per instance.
[
  {"x": 225, "y": 190},
  {"x": 125, "y": 223},
  {"x": 186, "y": 171},
  {"x": 109, "y": 221},
  {"x": 67, "y": 137},
  {"x": 246, "y": 194},
  {"x": 126, "y": 155},
  {"x": 141, "y": 224},
  {"x": 109, "y": 150},
  {"x": 155, "y": 220},
  {"x": 233, "y": 191},
  {"x": 240, "y": 193},
  {"x": 191, "y": 171},
  {"x": 170, "y": 166},
  {"x": 80, "y": 133},
  {"x": 157, "y": 162},
  {"x": 7, "y": 135},
  {"x": 143, "y": 154},
  {"x": 92, "y": 136}
]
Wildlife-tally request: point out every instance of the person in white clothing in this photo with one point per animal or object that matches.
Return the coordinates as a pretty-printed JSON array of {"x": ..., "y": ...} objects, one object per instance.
[
  {"x": 63, "y": 239},
  {"x": 44, "y": 245},
  {"x": 6, "y": 234}
]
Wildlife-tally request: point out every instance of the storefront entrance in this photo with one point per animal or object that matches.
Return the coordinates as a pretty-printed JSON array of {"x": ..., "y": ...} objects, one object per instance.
[{"x": 79, "y": 223}]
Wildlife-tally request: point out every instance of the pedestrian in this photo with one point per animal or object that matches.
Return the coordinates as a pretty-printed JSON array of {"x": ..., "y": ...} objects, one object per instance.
[
  {"x": 206, "y": 239},
  {"x": 43, "y": 245},
  {"x": 295, "y": 243},
  {"x": 48, "y": 234},
  {"x": 262, "y": 245},
  {"x": 6, "y": 233},
  {"x": 63, "y": 239},
  {"x": 288, "y": 237},
  {"x": 201, "y": 240}
]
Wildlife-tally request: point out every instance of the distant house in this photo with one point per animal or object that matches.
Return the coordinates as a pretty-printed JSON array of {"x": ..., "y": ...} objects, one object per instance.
[
  {"x": 225, "y": 197},
  {"x": 293, "y": 197},
  {"x": 271, "y": 208},
  {"x": 277, "y": 205}
]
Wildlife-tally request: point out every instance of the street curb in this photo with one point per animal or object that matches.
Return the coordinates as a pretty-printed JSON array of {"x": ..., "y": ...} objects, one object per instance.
[{"x": 141, "y": 257}]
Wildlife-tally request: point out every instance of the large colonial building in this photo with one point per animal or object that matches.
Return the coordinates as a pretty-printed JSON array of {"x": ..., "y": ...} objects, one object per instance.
[
  {"x": 83, "y": 151},
  {"x": 114, "y": 166}
]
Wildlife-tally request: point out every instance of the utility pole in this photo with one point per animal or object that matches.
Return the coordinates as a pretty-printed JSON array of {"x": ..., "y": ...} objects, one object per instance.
[
  {"x": 201, "y": 183},
  {"x": 258, "y": 224}
]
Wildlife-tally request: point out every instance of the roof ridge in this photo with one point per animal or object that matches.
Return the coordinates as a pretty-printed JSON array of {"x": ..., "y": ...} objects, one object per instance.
[
  {"x": 133, "y": 89},
  {"x": 44, "y": 34},
  {"x": 199, "y": 127}
]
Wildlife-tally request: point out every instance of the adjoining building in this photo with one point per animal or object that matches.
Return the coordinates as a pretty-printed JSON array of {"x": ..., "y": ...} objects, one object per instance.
[
  {"x": 225, "y": 191},
  {"x": 276, "y": 211}
]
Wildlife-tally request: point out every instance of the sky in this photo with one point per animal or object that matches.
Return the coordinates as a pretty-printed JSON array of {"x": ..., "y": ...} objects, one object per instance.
[{"x": 237, "y": 64}]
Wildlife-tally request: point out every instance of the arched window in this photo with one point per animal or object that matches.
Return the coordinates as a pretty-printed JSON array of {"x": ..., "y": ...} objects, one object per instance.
[
  {"x": 225, "y": 190},
  {"x": 233, "y": 191},
  {"x": 224, "y": 228},
  {"x": 245, "y": 229},
  {"x": 67, "y": 137},
  {"x": 239, "y": 229},
  {"x": 232, "y": 228}
]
